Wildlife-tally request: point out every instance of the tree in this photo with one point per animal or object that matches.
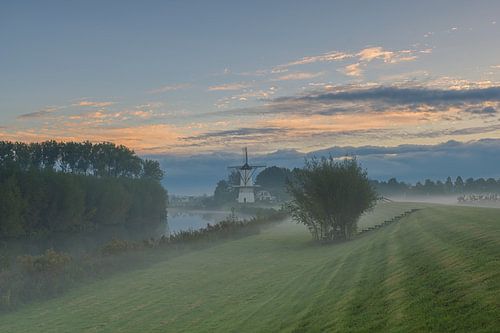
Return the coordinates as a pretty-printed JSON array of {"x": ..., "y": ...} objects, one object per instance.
[
  {"x": 233, "y": 179},
  {"x": 224, "y": 193},
  {"x": 459, "y": 184},
  {"x": 470, "y": 185},
  {"x": 429, "y": 187},
  {"x": 273, "y": 177},
  {"x": 72, "y": 187},
  {"x": 329, "y": 196},
  {"x": 11, "y": 207},
  {"x": 274, "y": 180},
  {"x": 152, "y": 170},
  {"x": 448, "y": 185}
]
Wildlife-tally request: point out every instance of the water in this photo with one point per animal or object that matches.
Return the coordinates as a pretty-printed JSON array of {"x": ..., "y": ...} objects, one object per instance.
[
  {"x": 180, "y": 220},
  {"x": 76, "y": 244}
]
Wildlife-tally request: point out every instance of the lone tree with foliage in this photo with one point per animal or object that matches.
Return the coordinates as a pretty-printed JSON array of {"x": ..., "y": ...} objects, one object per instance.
[{"x": 329, "y": 196}]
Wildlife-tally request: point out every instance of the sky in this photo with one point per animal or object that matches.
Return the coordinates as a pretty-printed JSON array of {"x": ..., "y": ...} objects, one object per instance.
[{"x": 189, "y": 78}]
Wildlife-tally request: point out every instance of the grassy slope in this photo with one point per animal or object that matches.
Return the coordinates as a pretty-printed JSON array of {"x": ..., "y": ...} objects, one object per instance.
[
  {"x": 438, "y": 270},
  {"x": 385, "y": 211}
]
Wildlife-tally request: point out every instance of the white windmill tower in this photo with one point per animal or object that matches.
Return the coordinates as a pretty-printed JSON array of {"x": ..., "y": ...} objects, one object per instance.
[{"x": 246, "y": 186}]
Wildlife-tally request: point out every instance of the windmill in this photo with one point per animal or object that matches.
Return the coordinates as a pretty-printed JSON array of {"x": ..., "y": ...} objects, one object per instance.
[{"x": 246, "y": 186}]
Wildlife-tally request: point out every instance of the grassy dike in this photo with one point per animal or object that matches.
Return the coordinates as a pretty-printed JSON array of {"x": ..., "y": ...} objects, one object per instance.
[{"x": 436, "y": 270}]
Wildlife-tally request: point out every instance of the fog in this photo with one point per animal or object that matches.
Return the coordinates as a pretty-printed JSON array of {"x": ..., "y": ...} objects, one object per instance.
[{"x": 443, "y": 200}]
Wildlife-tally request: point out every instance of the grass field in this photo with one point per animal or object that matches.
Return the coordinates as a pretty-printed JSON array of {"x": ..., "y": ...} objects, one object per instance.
[
  {"x": 385, "y": 211},
  {"x": 436, "y": 270}
]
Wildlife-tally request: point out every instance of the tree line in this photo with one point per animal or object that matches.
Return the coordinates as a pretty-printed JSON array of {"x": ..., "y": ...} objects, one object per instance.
[
  {"x": 83, "y": 158},
  {"x": 430, "y": 187},
  {"x": 52, "y": 187}
]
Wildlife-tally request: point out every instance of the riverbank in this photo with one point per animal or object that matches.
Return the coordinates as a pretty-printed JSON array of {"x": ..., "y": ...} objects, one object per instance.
[
  {"x": 435, "y": 270},
  {"x": 26, "y": 278}
]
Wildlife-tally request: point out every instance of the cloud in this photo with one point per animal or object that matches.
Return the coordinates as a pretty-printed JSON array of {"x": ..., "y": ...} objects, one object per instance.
[
  {"x": 466, "y": 131},
  {"x": 244, "y": 132},
  {"x": 93, "y": 104},
  {"x": 363, "y": 57},
  {"x": 229, "y": 87},
  {"x": 368, "y": 99},
  {"x": 35, "y": 115},
  {"x": 158, "y": 135},
  {"x": 245, "y": 96},
  {"x": 298, "y": 76},
  {"x": 487, "y": 110},
  {"x": 405, "y": 77},
  {"x": 107, "y": 117},
  {"x": 353, "y": 70},
  {"x": 325, "y": 57},
  {"x": 47, "y": 111},
  {"x": 372, "y": 53},
  {"x": 168, "y": 88},
  {"x": 397, "y": 95}
]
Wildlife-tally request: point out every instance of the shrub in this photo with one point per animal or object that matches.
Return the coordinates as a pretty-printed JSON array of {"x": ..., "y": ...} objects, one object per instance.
[
  {"x": 49, "y": 262},
  {"x": 330, "y": 196},
  {"x": 4, "y": 262},
  {"x": 117, "y": 246}
]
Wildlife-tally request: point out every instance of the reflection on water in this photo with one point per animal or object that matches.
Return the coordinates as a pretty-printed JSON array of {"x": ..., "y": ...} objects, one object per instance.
[
  {"x": 76, "y": 244},
  {"x": 179, "y": 220}
]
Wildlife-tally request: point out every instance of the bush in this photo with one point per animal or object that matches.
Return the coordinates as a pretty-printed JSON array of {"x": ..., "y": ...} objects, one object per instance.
[
  {"x": 50, "y": 262},
  {"x": 117, "y": 246},
  {"x": 330, "y": 196}
]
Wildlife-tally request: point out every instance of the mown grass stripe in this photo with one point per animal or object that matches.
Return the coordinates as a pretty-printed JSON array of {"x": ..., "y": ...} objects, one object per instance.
[
  {"x": 339, "y": 287},
  {"x": 439, "y": 302},
  {"x": 366, "y": 311}
]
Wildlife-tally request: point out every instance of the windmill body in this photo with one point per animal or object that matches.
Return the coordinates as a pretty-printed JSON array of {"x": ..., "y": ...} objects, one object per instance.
[{"x": 246, "y": 187}]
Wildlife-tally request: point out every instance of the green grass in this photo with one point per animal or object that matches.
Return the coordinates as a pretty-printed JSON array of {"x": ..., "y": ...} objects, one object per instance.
[
  {"x": 385, "y": 211},
  {"x": 437, "y": 270}
]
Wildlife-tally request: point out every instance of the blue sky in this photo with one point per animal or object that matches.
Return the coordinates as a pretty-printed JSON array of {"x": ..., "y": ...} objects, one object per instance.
[{"x": 192, "y": 77}]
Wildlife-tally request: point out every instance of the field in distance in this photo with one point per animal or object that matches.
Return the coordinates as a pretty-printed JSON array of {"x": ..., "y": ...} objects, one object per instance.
[{"x": 436, "y": 270}]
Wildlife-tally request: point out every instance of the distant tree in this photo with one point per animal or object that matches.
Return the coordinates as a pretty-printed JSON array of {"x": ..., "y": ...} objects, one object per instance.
[
  {"x": 329, "y": 197},
  {"x": 491, "y": 184},
  {"x": 439, "y": 188},
  {"x": 152, "y": 170},
  {"x": 50, "y": 153},
  {"x": 11, "y": 207},
  {"x": 448, "y": 185},
  {"x": 429, "y": 186},
  {"x": 233, "y": 178},
  {"x": 480, "y": 185},
  {"x": 459, "y": 184},
  {"x": 224, "y": 193},
  {"x": 274, "y": 179},
  {"x": 470, "y": 185}
]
